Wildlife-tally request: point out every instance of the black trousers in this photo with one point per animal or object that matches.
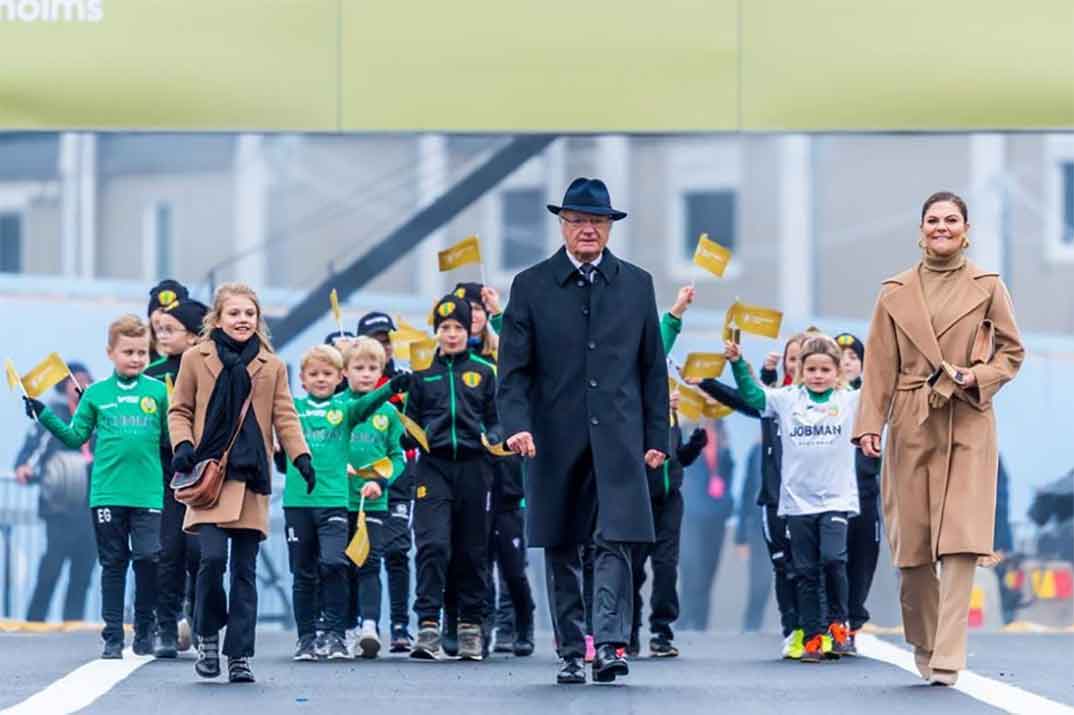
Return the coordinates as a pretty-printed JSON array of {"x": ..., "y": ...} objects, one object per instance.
[
  {"x": 702, "y": 547},
  {"x": 179, "y": 559},
  {"x": 451, "y": 527},
  {"x": 508, "y": 551},
  {"x": 863, "y": 551},
  {"x": 363, "y": 602},
  {"x": 68, "y": 539},
  {"x": 397, "y": 543},
  {"x": 663, "y": 554},
  {"x": 777, "y": 539},
  {"x": 819, "y": 552},
  {"x": 127, "y": 536},
  {"x": 316, "y": 540},
  {"x": 236, "y": 609}
]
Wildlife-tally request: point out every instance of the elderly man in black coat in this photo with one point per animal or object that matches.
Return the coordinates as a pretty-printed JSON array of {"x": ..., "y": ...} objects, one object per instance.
[{"x": 584, "y": 396}]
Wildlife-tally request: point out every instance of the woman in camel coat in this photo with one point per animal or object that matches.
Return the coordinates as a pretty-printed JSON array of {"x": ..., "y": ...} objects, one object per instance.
[
  {"x": 233, "y": 360},
  {"x": 942, "y": 342}
]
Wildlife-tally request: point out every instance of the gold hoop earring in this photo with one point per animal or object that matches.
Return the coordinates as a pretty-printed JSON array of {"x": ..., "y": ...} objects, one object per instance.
[
  {"x": 920, "y": 243},
  {"x": 965, "y": 243}
]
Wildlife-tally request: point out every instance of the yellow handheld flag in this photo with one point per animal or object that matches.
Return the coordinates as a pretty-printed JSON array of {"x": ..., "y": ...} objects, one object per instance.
[
  {"x": 337, "y": 312},
  {"x": 169, "y": 386},
  {"x": 691, "y": 404},
  {"x": 415, "y": 431},
  {"x": 711, "y": 256},
  {"x": 754, "y": 319},
  {"x": 403, "y": 336},
  {"x": 358, "y": 549},
  {"x": 46, "y": 374},
  {"x": 380, "y": 469},
  {"x": 421, "y": 354},
  {"x": 716, "y": 410},
  {"x": 465, "y": 251},
  {"x": 702, "y": 365},
  {"x": 497, "y": 450},
  {"x": 13, "y": 379}
]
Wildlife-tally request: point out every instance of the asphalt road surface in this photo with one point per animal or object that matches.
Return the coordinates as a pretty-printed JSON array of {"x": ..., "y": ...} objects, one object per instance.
[{"x": 716, "y": 673}]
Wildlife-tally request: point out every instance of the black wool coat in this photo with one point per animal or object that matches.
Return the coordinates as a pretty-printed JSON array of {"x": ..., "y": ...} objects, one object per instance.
[{"x": 582, "y": 368}]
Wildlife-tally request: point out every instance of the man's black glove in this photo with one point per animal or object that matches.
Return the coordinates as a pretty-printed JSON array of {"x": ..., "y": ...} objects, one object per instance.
[
  {"x": 279, "y": 458},
  {"x": 699, "y": 438},
  {"x": 304, "y": 465},
  {"x": 183, "y": 461},
  {"x": 401, "y": 382},
  {"x": 34, "y": 408}
]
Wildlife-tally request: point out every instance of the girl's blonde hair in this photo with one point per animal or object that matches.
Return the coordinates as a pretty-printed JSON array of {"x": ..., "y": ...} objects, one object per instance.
[
  {"x": 232, "y": 290},
  {"x": 324, "y": 353},
  {"x": 797, "y": 338},
  {"x": 819, "y": 345},
  {"x": 367, "y": 348}
]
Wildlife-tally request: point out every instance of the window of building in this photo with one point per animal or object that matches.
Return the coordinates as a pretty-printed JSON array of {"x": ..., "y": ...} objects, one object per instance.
[
  {"x": 711, "y": 212},
  {"x": 10, "y": 243},
  {"x": 1066, "y": 191},
  {"x": 522, "y": 214},
  {"x": 1058, "y": 198},
  {"x": 159, "y": 242}
]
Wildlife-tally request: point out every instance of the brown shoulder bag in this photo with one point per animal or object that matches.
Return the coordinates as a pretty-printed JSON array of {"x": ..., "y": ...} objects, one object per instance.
[{"x": 201, "y": 488}]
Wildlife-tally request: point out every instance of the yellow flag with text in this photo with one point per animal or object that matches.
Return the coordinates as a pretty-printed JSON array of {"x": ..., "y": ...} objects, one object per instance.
[
  {"x": 716, "y": 410},
  {"x": 465, "y": 251},
  {"x": 380, "y": 469},
  {"x": 403, "y": 336},
  {"x": 703, "y": 365},
  {"x": 691, "y": 404},
  {"x": 358, "y": 549},
  {"x": 711, "y": 256},
  {"x": 753, "y": 319},
  {"x": 46, "y": 374},
  {"x": 422, "y": 354},
  {"x": 13, "y": 379}
]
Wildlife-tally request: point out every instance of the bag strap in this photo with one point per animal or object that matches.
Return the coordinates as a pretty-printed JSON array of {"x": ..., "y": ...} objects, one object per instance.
[{"x": 242, "y": 418}]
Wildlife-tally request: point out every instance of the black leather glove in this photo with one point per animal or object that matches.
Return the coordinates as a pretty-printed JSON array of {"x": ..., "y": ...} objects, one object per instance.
[
  {"x": 279, "y": 458},
  {"x": 183, "y": 461},
  {"x": 401, "y": 382},
  {"x": 304, "y": 465},
  {"x": 699, "y": 438},
  {"x": 34, "y": 408}
]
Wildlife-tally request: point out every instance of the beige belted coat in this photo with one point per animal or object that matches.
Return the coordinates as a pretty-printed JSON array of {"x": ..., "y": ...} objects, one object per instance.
[{"x": 940, "y": 464}]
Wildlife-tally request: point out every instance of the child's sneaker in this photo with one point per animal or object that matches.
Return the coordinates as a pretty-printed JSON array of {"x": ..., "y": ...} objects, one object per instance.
[
  {"x": 826, "y": 645},
  {"x": 113, "y": 650},
  {"x": 306, "y": 648},
  {"x": 662, "y": 647},
  {"x": 335, "y": 648},
  {"x": 369, "y": 642},
  {"x": 143, "y": 642},
  {"x": 320, "y": 646},
  {"x": 401, "y": 640},
  {"x": 590, "y": 649},
  {"x": 208, "y": 663},
  {"x": 794, "y": 644},
  {"x": 813, "y": 652},
  {"x": 471, "y": 642},
  {"x": 838, "y": 633},
  {"x": 350, "y": 639},
  {"x": 851, "y": 647},
  {"x": 427, "y": 647}
]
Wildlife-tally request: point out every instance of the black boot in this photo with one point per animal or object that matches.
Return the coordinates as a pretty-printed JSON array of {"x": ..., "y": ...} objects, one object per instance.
[
  {"x": 239, "y": 671},
  {"x": 113, "y": 650},
  {"x": 167, "y": 646},
  {"x": 609, "y": 664}
]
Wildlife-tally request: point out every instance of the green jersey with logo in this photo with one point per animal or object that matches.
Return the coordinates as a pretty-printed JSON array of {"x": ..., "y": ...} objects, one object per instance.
[
  {"x": 327, "y": 425},
  {"x": 130, "y": 417},
  {"x": 374, "y": 439}
]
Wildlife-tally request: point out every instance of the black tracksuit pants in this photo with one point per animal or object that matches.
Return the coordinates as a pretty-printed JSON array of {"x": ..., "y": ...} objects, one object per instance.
[
  {"x": 452, "y": 512},
  {"x": 863, "y": 551},
  {"x": 68, "y": 537},
  {"x": 179, "y": 558},
  {"x": 127, "y": 536},
  {"x": 316, "y": 540},
  {"x": 774, "y": 529},
  {"x": 663, "y": 554},
  {"x": 365, "y": 587},
  {"x": 508, "y": 550},
  {"x": 237, "y": 608},
  {"x": 819, "y": 552},
  {"x": 397, "y": 543}
]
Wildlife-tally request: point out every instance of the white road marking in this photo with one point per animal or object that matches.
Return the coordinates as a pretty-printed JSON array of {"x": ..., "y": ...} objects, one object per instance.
[
  {"x": 1006, "y": 697},
  {"x": 79, "y": 688}
]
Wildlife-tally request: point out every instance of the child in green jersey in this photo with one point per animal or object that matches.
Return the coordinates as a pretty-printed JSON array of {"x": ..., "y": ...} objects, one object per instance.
[
  {"x": 374, "y": 439},
  {"x": 128, "y": 411},
  {"x": 316, "y": 520}
]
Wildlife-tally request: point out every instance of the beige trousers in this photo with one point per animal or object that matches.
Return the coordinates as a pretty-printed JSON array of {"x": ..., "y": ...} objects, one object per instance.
[{"x": 936, "y": 607}]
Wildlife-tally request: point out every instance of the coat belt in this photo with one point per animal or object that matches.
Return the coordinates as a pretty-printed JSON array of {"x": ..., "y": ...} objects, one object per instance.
[{"x": 920, "y": 385}]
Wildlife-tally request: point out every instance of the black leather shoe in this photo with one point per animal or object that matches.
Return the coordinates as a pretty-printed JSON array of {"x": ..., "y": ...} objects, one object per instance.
[
  {"x": 609, "y": 664},
  {"x": 113, "y": 650},
  {"x": 571, "y": 672}
]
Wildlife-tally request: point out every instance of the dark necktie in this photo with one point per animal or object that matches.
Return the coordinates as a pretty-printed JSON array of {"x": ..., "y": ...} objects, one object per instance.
[{"x": 586, "y": 270}]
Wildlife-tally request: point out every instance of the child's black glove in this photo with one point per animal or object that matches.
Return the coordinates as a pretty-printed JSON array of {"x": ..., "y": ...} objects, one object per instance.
[
  {"x": 183, "y": 461},
  {"x": 401, "y": 382},
  {"x": 304, "y": 465},
  {"x": 34, "y": 408},
  {"x": 699, "y": 438}
]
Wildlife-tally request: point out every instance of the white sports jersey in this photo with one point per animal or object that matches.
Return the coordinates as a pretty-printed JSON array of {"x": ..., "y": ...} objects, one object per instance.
[{"x": 818, "y": 458}]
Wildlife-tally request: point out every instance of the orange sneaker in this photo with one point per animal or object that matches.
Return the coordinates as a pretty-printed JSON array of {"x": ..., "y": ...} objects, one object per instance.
[
  {"x": 814, "y": 650},
  {"x": 840, "y": 639}
]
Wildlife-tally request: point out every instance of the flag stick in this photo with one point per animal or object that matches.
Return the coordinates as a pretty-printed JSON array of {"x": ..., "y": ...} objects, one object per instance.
[
  {"x": 24, "y": 394},
  {"x": 484, "y": 278}
]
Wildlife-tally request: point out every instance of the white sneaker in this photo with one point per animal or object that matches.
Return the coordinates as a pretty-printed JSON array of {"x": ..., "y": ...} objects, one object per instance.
[
  {"x": 350, "y": 638},
  {"x": 369, "y": 642}
]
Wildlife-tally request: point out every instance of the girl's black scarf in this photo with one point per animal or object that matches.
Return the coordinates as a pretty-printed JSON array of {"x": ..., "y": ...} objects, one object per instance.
[{"x": 247, "y": 461}]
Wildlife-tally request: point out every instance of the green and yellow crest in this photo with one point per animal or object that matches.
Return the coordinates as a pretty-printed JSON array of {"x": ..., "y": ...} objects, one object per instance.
[
  {"x": 471, "y": 379},
  {"x": 148, "y": 405},
  {"x": 334, "y": 417},
  {"x": 380, "y": 422}
]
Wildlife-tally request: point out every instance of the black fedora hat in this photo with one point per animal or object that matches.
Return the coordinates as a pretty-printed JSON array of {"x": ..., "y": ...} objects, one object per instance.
[{"x": 588, "y": 196}]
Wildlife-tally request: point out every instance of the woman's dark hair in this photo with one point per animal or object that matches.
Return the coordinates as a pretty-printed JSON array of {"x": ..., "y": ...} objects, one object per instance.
[{"x": 946, "y": 196}]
